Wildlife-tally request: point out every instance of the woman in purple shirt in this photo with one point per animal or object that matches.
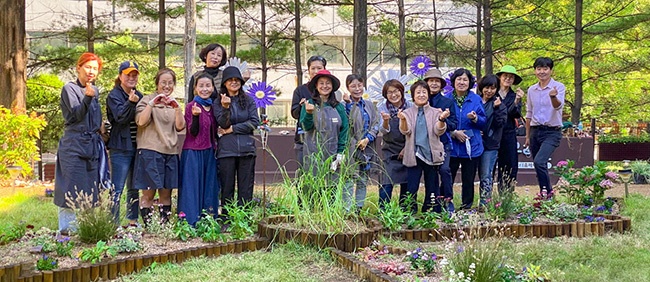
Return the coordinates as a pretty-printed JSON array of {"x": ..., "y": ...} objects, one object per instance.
[{"x": 199, "y": 191}]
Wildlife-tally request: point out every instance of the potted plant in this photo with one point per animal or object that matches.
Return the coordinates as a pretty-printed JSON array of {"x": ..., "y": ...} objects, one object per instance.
[{"x": 641, "y": 170}]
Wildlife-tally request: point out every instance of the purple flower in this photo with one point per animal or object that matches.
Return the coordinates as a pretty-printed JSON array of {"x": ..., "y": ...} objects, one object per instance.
[
  {"x": 600, "y": 208},
  {"x": 611, "y": 175},
  {"x": 420, "y": 65},
  {"x": 415, "y": 255},
  {"x": 562, "y": 163},
  {"x": 262, "y": 93},
  {"x": 606, "y": 184}
]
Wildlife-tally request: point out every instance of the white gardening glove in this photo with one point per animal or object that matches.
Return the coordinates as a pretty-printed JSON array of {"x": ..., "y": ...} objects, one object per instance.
[{"x": 336, "y": 162}]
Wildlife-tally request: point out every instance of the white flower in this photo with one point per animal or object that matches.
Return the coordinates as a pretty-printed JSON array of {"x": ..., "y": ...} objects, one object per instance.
[
  {"x": 472, "y": 266},
  {"x": 461, "y": 275}
]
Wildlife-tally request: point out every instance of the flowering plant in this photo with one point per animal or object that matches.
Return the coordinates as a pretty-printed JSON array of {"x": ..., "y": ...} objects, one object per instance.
[
  {"x": 589, "y": 181},
  {"x": 63, "y": 246},
  {"x": 183, "y": 230},
  {"x": 419, "y": 259},
  {"x": 47, "y": 263}
]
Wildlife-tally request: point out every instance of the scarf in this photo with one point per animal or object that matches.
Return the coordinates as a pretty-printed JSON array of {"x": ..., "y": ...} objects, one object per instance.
[
  {"x": 203, "y": 102},
  {"x": 392, "y": 110}
]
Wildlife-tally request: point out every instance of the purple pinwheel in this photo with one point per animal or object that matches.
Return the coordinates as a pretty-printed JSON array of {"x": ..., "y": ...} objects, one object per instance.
[
  {"x": 262, "y": 93},
  {"x": 420, "y": 65}
]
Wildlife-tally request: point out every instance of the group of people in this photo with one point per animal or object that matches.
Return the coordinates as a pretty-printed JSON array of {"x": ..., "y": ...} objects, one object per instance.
[
  {"x": 145, "y": 139},
  {"x": 433, "y": 135}
]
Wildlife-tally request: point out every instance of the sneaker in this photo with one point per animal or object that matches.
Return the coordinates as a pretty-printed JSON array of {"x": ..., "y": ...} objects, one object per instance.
[{"x": 450, "y": 207}]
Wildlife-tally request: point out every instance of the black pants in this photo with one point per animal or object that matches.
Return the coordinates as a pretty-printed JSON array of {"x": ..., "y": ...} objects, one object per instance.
[
  {"x": 468, "y": 171},
  {"x": 243, "y": 170},
  {"x": 508, "y": 161}
]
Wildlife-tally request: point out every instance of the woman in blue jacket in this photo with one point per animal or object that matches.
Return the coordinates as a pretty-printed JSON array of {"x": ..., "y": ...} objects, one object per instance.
[
  {"x": 236, "y": 114},
  {"x": 467, "y": 145}
]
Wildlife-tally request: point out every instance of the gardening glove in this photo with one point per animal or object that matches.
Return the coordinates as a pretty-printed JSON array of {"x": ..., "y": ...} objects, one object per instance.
[{"x": 335, "y": 164}]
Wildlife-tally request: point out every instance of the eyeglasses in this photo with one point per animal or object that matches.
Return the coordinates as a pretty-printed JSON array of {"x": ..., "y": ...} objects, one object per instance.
[{"x": 394, "y": 92}]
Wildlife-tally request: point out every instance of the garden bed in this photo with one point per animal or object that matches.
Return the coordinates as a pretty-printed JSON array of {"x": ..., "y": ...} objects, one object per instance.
[
  {"x": 274, "y": 228},
  {"x": 126, "y": 265}
]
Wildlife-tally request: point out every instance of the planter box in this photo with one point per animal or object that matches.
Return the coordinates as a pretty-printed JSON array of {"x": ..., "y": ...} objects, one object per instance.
[{"x": 623, "y": 151}]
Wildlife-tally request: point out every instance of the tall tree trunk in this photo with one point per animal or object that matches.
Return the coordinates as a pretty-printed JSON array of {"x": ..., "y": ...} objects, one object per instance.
[
  {"x": 233, "y": 28},
  {"x": 162, "y": 42},
  {"x": 577, "y": 66},
  {"x": 90, "y": 26},
  {"x": 13, "y": 55},
  {"x": 402, "y": 36},
  {"x": 479, "y": 53},
  {"x": 296, "y": 41},
  {"x": 435, "y": 35},
  {"x": 360, "y": 39},
  {"x": 487, "y": 29},
  {"x": 189, "y": 41}
]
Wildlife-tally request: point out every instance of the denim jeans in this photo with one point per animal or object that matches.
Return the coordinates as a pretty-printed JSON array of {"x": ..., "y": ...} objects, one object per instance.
[
  {"x": 543, "y": 143},
  {"x": 66, "y": 219},
  {"x": 446, "y": 183},
  {"x": 485, "y": 174},
  {"x": 360, "y": 191},
  {"x": 122, "y": 162}
]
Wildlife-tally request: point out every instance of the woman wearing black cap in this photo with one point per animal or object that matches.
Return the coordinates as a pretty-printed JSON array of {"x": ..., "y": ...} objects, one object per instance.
[
  {"x": 236, "y": 115},
  {"x": 214, "y": 57},
  {"x": 120, "y": 110}
]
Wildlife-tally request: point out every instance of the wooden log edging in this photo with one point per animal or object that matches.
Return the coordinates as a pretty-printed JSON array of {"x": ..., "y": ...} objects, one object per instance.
[
  {"x": 347, "y": 242},
  {"x": 360, "y": 268},
  {"x": 120, "y": 267},
  {"x": 579, "y": 229}
]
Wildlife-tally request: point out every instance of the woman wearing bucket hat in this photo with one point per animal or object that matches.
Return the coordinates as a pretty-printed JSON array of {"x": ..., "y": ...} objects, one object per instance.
[
  {"x": 436, "y": 83},
  {"x": 507, "y": 162},
  {"x": 326, "y": 126},
  {"x": 236, "y": 114},
  {"x": 120, "y": 111}
]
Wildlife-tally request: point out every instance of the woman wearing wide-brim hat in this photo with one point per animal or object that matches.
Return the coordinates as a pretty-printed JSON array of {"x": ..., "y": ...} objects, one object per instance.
[
  {"x": 325, "y": 123},
  {"x": 507, "y": 159},
  {"x": 236, "y": 115}
]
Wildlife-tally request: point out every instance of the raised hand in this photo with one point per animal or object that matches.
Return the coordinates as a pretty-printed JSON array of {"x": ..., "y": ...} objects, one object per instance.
[
  {"x": 363, "y": 143},
  {"x": 471, "y": 115},
  {"x": 90, "y": 92},
  {"x": 520, "y": 94},
  {"x": 173, "y": 103},
  {"x": 196, "y": 110},
  {"x": 385, "y": 116},
  {"x": 401, "y": 115},
  {"x": 309, "y": 107},
  {"x": 133, "y": 97},
  {"x": 553, "y": 92},
  {"x": 445, "y": 114},
  {"x": 497, "y": 102},
  {"x": 346, "y": 97},
  {"x": 225, "y": 101}
]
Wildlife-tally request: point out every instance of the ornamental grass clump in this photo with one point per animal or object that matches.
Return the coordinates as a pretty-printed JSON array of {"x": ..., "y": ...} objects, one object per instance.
[
  {"x": 94, "y": 220},
  {"x": 502, "y": 205},
  {"x": 474, "y": 260}
]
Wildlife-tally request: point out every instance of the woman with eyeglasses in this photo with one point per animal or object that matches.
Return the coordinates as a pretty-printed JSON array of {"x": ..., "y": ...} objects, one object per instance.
[{"x": 392, "y": 142}]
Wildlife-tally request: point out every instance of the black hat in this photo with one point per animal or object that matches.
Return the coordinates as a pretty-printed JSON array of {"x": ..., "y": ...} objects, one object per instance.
[
  {"x": 335, "y": 81},
  {"x": 231, "y": 72}
]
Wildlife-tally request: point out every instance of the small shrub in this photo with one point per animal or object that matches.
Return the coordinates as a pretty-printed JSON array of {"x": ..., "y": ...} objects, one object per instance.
[
  {"x": 43, "y": 238},
  {"x": 46, "y": 263},
  {"x": 594, "y": 179},
  {"x": 128, "y": 240},
  {"x": 392, "y": 216},
  {"x": 209, "y": 230},
  {"x": 240, "y": 220},
  {"x": 162, "y": 230},
  {"x": 97, "y": 253},
  {"x": 12, "y": 232},
  {"x": 183, "y": 230},
  {"x": 565, "y": 212},
  {"x": 18, "y": 136}
]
